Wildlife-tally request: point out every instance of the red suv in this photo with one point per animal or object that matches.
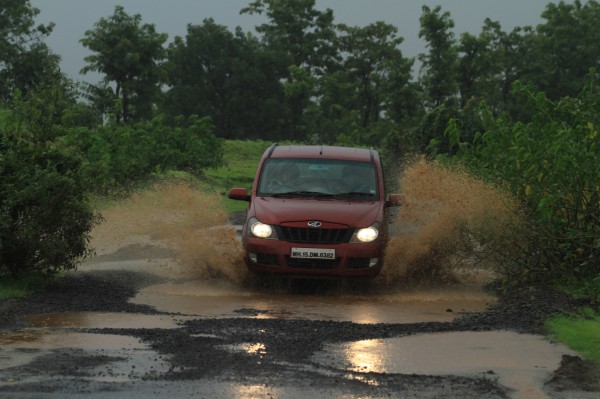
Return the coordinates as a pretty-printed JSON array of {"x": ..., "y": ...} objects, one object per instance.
[{"x": 316, "y": 211}]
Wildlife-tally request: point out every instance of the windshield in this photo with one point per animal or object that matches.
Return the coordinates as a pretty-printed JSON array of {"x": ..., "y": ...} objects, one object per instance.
[{"x": 318, "y": 178}]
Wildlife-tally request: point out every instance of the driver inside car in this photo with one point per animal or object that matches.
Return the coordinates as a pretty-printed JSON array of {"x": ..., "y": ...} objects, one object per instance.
[{"x": 286, "y": 180}]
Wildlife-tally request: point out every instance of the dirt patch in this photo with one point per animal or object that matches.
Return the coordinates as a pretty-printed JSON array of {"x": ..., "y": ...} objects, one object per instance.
[
  {"x": 80, "y": 292},
  {"x": 576, "y": 374}
]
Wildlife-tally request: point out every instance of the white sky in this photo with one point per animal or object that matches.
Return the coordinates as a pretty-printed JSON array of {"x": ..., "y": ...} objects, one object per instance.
[{"x": 74, "y": 17}]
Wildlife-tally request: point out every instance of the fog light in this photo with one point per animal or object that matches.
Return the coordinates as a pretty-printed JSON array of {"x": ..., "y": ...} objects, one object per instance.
[
  {"x": 373, "y": 262},
  {"x": 253, "y": 258}
]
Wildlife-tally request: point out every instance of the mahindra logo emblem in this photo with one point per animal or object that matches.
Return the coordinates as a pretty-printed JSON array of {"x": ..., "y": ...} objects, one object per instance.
[{"x": 314, "y": 224}]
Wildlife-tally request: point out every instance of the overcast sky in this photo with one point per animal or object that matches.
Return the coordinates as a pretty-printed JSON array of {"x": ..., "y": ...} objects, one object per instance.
[{"x": 74, "y": 17}]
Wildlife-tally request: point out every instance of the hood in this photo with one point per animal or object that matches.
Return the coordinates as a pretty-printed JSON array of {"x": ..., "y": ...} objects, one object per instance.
[{"x": 278, "y": 211}]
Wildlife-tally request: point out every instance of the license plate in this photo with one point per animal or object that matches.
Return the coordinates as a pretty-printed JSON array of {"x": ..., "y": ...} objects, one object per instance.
[{"x": 313, "y": 253}]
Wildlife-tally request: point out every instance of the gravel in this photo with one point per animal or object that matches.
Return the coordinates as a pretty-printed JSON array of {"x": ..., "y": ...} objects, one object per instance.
[{"x": 199, "y": 348}]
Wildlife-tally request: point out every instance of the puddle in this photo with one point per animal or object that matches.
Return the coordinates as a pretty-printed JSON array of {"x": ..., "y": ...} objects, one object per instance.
[
  {"x": 521, "y": 362},
  {"x": 46, "y": 337},
  {"x": 105, "y": 357},
  {"x": 201, "y": 299},
  {"x": 100, "y": 320},
  {"x": 30, "y": 340}
]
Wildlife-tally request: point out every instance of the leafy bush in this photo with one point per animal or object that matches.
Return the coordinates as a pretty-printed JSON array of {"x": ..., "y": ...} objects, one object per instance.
[
  {"x": 44, "y": 217},
  {"x": 117, "y": 155},
  {"x": 551, "y": 164}
]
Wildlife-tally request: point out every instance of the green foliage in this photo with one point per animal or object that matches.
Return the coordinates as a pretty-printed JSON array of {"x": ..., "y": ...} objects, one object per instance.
[
  {"x": 127, "y": 53},
  {"x": 440, "y": 76},
  {"x": 44, "y": 217},
  {"x": 551, "y": 164},
  {"x": 23, "y": 285},
  {"x": 25, "y": 61},
  {"x": 229, "y": 77},
  {"x": 240, "y": 160},
  {"x": 568, "y": 26},
  {"x": 581, "y": 332},
  {"x": 375, "y": 70},
  {"x": 116, "y": 156},
  {"x": 299, "y": 33}
]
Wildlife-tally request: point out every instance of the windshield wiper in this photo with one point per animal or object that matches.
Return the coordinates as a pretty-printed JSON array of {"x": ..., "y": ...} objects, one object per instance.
[
  {"x": 310, "y": 194},
  {"x": 355, "y": 194}
]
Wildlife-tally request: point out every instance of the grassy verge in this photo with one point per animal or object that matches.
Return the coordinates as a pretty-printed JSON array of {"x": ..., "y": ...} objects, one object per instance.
[
  {"x": 579, "y": 332},
  {"x": 11, "y": 288},
  {"x": 241, "y": 159}
]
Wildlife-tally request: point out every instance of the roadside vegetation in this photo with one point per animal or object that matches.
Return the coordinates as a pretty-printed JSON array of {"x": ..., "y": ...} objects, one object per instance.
[
  {"x": 517, "y": 109},
  {"x": 581, "y": 332}
]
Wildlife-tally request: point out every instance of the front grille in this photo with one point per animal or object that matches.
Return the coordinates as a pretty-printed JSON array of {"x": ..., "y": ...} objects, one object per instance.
[
  {"x": 313, "y": 264},
  {"x": 314, "y": 235}
]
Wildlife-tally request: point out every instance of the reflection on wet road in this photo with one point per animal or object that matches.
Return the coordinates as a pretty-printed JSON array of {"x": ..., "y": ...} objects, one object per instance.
[
  {"x": 201, "y": 299},
  {"x": 520, "y": 361}
]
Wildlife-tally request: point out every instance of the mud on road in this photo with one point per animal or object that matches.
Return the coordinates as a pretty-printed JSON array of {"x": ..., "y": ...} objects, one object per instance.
[
  {"x": 196, "y": 357},
  {"x": 102, "y": 331}
]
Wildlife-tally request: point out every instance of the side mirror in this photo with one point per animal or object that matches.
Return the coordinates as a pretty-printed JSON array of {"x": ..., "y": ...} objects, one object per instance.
[
  {"x": 394, "y": 200},
  {"x": 239, "y": 194}
]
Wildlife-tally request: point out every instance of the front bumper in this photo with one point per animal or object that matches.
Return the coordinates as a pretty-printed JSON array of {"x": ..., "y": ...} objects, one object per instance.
[{"x": 351, "y": 259}]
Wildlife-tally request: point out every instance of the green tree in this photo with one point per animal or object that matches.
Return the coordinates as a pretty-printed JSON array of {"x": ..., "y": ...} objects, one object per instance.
[
  {"x": 439, "y": 66},
  {"x": 375, "y": 64},
  {"x": 25, "y": 61},
  {"x": 570, "y": 43},
  {"x": 488, "y": 66},
  {"x": 300, "y": 34},
  {"x": 300, "y": 38},
  {"x": 45, "y": 219},
  {"x": 128, "y": 54},
  {"x": 370, "y": 88},
  {"x": 213, "y": 72},
  {"x": 438, "y": 79}
]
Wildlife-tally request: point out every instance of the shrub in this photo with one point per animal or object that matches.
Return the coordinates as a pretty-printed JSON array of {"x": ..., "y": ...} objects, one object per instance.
[
  {"x": 118, "y": 155},
  {"x": 551, "y": 163},
  {"x": 44, "y": 217}
]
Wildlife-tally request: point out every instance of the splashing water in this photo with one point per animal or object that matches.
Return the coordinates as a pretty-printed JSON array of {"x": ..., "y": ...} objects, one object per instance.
[
  {"x": 180, "y": 217},
  {"x": 445, "y": 232},
  {"x": 449, "y": 226}
]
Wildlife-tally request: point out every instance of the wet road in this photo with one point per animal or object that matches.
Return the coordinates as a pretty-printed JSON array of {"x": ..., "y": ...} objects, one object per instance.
[
  {"x": 241, "y": 352},
  {"x": 519, "y": 363}
]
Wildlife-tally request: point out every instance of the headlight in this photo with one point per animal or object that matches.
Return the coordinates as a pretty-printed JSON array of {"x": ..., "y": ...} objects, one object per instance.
[
  {"x": 368, "y": 234},
  {"x": 261, "y": 230}
]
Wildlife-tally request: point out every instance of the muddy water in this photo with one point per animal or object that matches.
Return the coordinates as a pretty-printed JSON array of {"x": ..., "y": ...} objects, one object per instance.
[
  {"x": 132, "y": 359},
  {"x": 201, "y": 299},
  {"x": 433, "y": 272},
  {"x": 519, "y": 361},
  {"x": 450, "y": 222}
]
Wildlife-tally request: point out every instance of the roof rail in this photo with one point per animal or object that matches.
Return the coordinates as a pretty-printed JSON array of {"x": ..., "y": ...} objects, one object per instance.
[
  {"x": 372, "y": 155},
  {"x": 271, "y": 149}
]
